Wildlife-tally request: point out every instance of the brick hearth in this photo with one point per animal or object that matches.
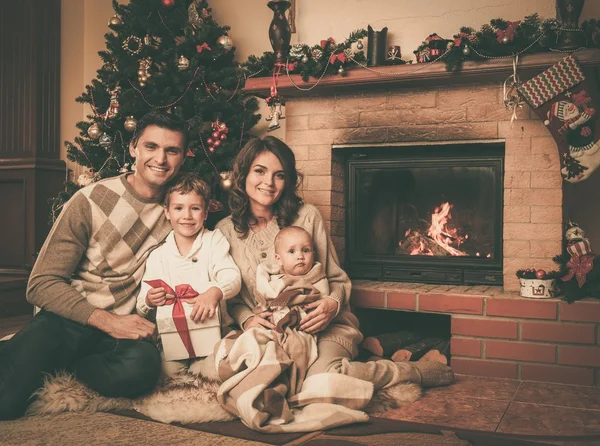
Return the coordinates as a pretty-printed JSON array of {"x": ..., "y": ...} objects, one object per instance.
[{"x": 494, "y": 331}]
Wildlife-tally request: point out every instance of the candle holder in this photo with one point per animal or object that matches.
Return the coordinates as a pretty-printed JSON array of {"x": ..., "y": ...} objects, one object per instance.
[
  {"x": 376, "y": 47},
  {"x": 571, "y": 37}
]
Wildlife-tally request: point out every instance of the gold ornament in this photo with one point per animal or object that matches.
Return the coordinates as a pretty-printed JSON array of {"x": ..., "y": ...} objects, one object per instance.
[
  {"x": 225, "y": 42},
  {"x": 115, "y": 20},
  {"x": 130, "y": 124},
  {"x": 225, "y": 181},
  {"x": 94, "y": 131},
  {"x": 148, "y": 40},
  {"x": 105, "y": 140},
  {"x": 183, "y": 63},
  {"x": 143, "y": 74}
]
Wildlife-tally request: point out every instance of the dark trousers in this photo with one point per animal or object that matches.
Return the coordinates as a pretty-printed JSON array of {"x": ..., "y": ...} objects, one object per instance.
[{"x": 111, "y": 367}]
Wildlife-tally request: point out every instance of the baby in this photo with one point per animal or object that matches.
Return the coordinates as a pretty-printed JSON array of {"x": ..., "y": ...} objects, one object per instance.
[
  {"x": 298, "y": 280},
  {"x": 191, "y": 255}
]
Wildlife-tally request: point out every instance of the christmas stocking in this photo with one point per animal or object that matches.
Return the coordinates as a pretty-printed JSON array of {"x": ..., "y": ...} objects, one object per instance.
[{"x": 566, "y": 101}]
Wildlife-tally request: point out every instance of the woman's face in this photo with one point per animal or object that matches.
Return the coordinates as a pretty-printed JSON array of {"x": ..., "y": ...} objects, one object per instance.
[{"x": 265, "y": 181}]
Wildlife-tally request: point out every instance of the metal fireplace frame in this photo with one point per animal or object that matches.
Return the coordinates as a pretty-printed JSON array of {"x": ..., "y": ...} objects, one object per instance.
[{"x": 424, "y": 269}]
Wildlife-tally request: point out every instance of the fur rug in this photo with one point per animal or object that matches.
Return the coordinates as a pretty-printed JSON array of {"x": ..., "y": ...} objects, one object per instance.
[{"x": 184, "y": 399}]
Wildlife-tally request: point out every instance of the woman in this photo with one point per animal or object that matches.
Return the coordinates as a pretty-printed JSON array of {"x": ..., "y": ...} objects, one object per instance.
[{"x": 264, "y": 199}]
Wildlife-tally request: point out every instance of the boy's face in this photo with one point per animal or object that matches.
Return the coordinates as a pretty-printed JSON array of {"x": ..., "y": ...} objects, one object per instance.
[
  {"x": 295, "y": 255},
  {"x": 187, "y": 213}
]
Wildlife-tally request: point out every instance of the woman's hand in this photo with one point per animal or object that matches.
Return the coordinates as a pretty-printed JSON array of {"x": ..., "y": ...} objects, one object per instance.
[
  {"x": 320, "y": 315},
  {"x": 260, "y": 320}
]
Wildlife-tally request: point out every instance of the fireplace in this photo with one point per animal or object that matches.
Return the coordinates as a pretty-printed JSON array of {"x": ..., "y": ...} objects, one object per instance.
[{"x": 428, "y": 213}]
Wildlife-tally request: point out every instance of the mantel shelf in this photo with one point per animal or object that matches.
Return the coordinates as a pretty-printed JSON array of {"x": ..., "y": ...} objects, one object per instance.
[{"x": 418, "y": 75}]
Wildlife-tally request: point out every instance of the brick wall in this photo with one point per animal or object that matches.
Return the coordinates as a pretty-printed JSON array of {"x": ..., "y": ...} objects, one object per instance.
[
  {"x": 497, "y": 333},
  {"x": 533, "y": 186}
]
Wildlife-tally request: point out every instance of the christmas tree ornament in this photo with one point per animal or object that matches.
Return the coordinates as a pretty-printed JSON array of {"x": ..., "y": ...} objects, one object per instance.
[
  {"x": 280, "y": 33},
  {"x": 114, "y": 106},
  {"x": 86, "y": 178},
  {"x": 565, "y": 100},
  {"x": 105, "y": 140},
  {"x": 540, "y": 274},
  {"x": 223, "y": 136},
  {"x": 316, "y": 54},
  {"x": 204, "y": 13},
  {"x": 505, "y": 40},
  {"x": 296, "y": 50},
  {"x": 143, "y": 70},
  {"x": 225, "y": 42},
  {"x": 133, "y": 45},
  {"x": 114, "y": 21},
  {"x": 210, "y": 141},
  {"x": 124, "y": 168},
  {"x": 194, "y": 16},
  {"x": 183, "y": 63},
  {"x": 147, "y": 40},
  {"x": 359, "y": 45},
  {"x": 341, "y": 71},
  {"x": 225, "y": 181},
  {"x": 93, "y": 131},
  {"x": 130, "y": 124},
  {"x": 305, "y": 59},
  {"x": 466, "y": 50},
  {"x": 167, "y": 4}
]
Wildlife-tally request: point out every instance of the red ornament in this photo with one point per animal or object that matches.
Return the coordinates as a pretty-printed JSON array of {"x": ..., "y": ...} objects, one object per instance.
[
  {"x": 215, "y": 135},
  {"x": 217, "y": 143},
  {"x": 168, "y": 3},
  {"x": 209, "y": 141},
  {"x": 211, "y": 149},
  {"x": 540, "y": 274},
  {"x": 223, "y": 136}
]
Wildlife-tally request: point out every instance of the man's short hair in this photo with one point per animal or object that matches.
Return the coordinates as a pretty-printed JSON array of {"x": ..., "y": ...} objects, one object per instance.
[
  {"x": 163, "y": 120},
  {"x": 187, "y": 182}
]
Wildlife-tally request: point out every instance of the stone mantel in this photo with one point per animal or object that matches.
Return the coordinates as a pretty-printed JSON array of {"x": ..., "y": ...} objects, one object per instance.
[{"x": 418, "y": 75}]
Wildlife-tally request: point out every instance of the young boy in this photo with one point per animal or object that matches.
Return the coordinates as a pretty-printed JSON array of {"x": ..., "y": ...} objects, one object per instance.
[
  {"x": 298, "y": 280},
  {"x": 191, "y": 255}
]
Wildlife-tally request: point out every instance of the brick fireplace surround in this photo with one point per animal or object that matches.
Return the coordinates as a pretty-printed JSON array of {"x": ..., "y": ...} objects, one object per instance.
[{"x": 494, "y": 331}]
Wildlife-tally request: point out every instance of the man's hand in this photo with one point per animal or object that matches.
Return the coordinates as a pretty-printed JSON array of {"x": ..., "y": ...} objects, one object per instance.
[
  {"x": 206, "y": 303},
  {"x": 156, "y": 297},
  {"x": 321, "y": 314},
  {"x": 130, "y": 326},
  {"x": 260, "y": 320}
]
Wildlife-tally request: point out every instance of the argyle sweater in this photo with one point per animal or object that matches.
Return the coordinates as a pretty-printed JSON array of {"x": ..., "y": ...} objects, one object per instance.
[{"x": 95, "y": 254}]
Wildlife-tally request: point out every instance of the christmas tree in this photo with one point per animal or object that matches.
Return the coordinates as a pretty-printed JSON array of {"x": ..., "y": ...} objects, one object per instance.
[{"x": 169, "y": 55}]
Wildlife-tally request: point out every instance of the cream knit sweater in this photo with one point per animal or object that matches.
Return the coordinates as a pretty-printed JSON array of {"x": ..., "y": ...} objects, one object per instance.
[{"x": 258, "y": 248}]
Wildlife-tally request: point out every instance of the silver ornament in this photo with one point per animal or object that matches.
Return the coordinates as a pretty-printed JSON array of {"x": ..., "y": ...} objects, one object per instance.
[
  {"x": 341, "y": 71},
  {"x": 505, "y": 40},
  {"x": 359, "y": 45},
  {"x": 105, "y": 140},
  {"x": 225, "y": 181},
  {"x": 93, "y": 131},
  {"x": 305, "y": 59},
  {"x": 225, "y": 42},
  {"x": 466, "y": 51}
]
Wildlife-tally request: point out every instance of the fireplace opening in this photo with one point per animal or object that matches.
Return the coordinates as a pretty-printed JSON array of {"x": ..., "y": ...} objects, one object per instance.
[
  {"x": 409, "y": 335},
  {"x": 430, "y": 214}
]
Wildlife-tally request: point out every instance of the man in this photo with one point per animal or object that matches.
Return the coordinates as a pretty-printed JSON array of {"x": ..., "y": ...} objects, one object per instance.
[{"x": 87, "y": 275}]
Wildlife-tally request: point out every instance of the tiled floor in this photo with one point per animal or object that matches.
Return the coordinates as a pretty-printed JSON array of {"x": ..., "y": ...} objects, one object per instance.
[
  {"x": 488, "y": 404},
  {"x": 509, "y": 406}
]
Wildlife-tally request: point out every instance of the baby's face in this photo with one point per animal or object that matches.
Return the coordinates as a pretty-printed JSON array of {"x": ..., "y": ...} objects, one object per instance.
[
  {"x": 187, "y": 213},
  {"x": 295, "y": 254}
]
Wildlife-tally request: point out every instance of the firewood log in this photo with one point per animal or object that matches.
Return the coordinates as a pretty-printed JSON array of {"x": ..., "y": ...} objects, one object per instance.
[
  {"x": 387, "y": 343},
  {"x": 414, "y": 351}
]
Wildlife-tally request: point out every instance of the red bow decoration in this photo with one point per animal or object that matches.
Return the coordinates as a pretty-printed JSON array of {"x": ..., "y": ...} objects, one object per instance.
[
  {"x": 461, "y": 36},
  {"x": 190, "y": 154},
  {"x": 579, "y": 266},
  {"x": 339, "y": 56},
  {"x": 204, "y": 46},
  {"x": 509, "y": 32},
  {"x": 292, "y": 66},
  {"x": 182, "y": 293},
  {"x": 329, "y": 41}
]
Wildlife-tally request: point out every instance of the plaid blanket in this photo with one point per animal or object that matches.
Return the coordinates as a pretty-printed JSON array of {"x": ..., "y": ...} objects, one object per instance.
[{"x": 262, "y": 385}]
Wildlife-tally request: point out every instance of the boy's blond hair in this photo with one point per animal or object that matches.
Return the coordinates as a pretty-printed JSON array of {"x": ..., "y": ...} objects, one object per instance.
[{"x": 187, "y": 182}]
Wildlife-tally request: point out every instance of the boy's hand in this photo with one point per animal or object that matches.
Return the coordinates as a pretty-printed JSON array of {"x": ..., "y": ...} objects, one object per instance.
[
  {"x": 156, "y": 297},
  {"x": 205, "y": 306}
]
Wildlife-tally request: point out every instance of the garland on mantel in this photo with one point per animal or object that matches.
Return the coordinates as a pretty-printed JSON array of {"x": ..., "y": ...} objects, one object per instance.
[{"x": 498, "y": 39}]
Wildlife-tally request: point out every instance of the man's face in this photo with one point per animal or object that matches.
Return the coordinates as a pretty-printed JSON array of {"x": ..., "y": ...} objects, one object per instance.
[
  {"x": 159, "y": 154},
  {"x": 295, "y": 255}
]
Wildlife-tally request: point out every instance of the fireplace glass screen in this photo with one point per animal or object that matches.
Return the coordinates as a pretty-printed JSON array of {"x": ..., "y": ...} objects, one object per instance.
[{"x": 433, "y": 214}]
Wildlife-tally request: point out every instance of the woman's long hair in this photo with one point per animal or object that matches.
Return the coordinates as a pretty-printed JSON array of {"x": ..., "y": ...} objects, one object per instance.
[{"x": 289, "y": 203}]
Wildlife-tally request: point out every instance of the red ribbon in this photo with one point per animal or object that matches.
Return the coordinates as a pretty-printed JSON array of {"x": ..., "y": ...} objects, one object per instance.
[
  {"x": 182, "y": 293},
  {"x": 324, "y": 43},
  {"x": 339, "y": 56},
  {"x": 204, "y": 46},
  {"x": 509, "y": 32},
  {"x": 190, "y": 154},
  {"x": 461, "y": 36},
  {"x": 579, "y": 266}
]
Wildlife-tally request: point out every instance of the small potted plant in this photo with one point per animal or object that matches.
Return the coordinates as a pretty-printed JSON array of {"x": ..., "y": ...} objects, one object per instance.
[{"x": 538, "y": 284}]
